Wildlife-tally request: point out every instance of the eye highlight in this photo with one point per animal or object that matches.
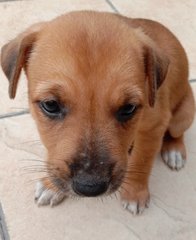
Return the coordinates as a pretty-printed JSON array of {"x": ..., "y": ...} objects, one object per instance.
[
  {"x": 125, "y": 112},
  {"x": 52, "y": 109}
]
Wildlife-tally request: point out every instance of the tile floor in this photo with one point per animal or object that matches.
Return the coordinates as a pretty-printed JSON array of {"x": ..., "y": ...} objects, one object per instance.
[{"x": 172, "y": 214}]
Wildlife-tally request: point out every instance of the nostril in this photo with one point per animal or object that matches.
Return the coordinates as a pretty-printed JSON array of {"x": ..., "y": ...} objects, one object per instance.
[{"x": 89, "y": 189}]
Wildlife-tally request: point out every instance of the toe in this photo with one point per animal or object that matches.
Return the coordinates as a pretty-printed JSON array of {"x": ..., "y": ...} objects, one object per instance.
[
  {"x": 134, "y": 207},
  {"x": 180, "y": 162},
  {"x": 45, "y": 196},
  {"x": 39, "y": 188}
]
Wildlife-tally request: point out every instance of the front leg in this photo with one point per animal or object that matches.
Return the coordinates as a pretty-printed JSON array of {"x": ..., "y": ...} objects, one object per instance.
[{"x": 134, "y": 191}]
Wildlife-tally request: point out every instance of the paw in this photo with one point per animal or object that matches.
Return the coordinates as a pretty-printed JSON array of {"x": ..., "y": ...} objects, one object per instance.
[
  {"x": 135, "y": 207},
  {"x": 135, "y": 202},
  {"x": 173, "y": 159},
  {"x": 47, "y": 196},
  {"x": 173, "y": 152}
]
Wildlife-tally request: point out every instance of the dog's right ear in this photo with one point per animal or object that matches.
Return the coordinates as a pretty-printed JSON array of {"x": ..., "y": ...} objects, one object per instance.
[
  {"x": 15, "y": 55},
  {"x": 156, "y": 68}
]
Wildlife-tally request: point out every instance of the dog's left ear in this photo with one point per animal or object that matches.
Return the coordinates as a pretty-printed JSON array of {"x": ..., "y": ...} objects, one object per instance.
[
  {"x": 156, "y": 68},
  {"x": 15, "y": 55}
]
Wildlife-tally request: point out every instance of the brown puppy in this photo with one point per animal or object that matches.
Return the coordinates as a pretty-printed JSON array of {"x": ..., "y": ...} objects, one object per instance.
[{"x": 107, "y": 93}]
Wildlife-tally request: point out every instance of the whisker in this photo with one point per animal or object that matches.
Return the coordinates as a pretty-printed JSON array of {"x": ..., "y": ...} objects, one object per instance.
[
  {"x": 42, "y": 162},
  {"x": 115, "y": 194},
  {"x": 124, "y": 189},
  {"x": 37, "y": 165},
  {"x": 118, "y": 190},
  {"x": 32, "y": 160},
  {"x": 22, "y": 108}
]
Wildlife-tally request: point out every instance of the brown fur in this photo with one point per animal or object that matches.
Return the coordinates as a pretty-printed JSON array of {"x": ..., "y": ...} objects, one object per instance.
[{"x": 94, "y": 63}]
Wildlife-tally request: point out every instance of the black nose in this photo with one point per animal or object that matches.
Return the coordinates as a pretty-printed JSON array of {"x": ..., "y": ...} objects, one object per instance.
[{"x": 89, "y": 186}]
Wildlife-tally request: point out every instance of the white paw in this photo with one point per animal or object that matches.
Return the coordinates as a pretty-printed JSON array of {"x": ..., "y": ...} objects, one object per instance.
[
  {"x": 44, "y": 196},
  {"x": 173, "y": 159},
  {"x": 134, "y": 207}
]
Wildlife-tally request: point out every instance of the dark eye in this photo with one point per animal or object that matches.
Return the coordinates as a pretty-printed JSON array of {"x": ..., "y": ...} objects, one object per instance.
[
  {"x": 125, "y": 112},
  {"x": 52, "y": 109}
]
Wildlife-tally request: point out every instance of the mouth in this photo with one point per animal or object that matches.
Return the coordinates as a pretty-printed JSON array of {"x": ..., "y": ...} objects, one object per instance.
[{"x": 89, "y": 186}]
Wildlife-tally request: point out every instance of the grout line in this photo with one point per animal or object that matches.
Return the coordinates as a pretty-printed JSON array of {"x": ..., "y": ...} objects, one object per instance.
[
  {"x": 3, "y": 228},
  {"x": 112, "y": 6},
  {"x": 9, "y": 0},
  {"x": 192, "y": 80},
  {"x": 14, "y": 114}
]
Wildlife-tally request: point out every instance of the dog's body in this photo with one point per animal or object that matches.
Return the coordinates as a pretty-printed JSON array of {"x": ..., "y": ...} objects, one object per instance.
[{"x": 107, "y": 93}]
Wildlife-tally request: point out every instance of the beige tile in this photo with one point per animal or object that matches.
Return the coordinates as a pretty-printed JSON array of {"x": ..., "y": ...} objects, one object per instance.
[
  {"x": 15, "y": 17},
  {"x": 178, "y": 16},
  {"x": 171, "y": 214}
]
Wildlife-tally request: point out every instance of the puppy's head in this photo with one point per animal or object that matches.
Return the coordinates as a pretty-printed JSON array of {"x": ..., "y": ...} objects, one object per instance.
[{"x": 89, "y": 78}]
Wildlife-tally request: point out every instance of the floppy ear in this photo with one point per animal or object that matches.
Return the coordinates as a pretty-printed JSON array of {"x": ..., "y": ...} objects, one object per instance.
[
  {"x": 15, "y": 55},
  {"x": 156, "y": 67}
]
